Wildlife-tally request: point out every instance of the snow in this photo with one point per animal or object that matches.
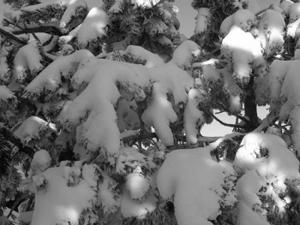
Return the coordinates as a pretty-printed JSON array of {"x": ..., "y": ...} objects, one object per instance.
[
  {"x": 240, "y": 48},
  {"x": 271, "y": 27},
  {"x": 40, "y": 162},
  {"x": 27, "y": 58},
  {"x": 263, "y": 159},
  {"x": 196, "y": 195},
  {"x": 137, "y": 185},
  {"x": 59, "y": 203},
  {"x": 184, "y": 53},
  {"x": 280, "y": 160},
  {"x": 138, "y": 52},
  {"x": 193, "y": 117},
  {"x": 93, "y": 27},
  {"x": 202, "y": 20},
  {"x": 32, "y": 128},
  {"x": 136, "y": 208},
  {"x": 285, "y": 6},
  {"x": 71, "y": 11},
  {"x": 108, "y": 199},
  {"x": 50, "y": 77},
  {"x": 5, "y": 93},
  {"x": 160, "y": 114},
  {"x": 101, "y": 76}
]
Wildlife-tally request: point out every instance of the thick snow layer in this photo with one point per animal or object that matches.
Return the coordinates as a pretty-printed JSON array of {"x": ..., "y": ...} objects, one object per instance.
[
  {"x": 285, "y": 6},
  {"x": 247, "y": 188},
  {"x": 40, "y": 162},
  {"x": 57, "y": 203},
  {"x": 32, "y": 129},
  {"x": 137, "y": 185},
  {"x": 294, "y": 12},
  {"x": 290, "y": 90},
  {"x": 268, "y": 155},
  {"x": 71, "y": 11},
  {"x": 193, "y": 117},
  {"x": 196, "y": 181},
  {"x": 271, "y": 31},
  {"x": 184, "y": 53},
  {"x": 100, "y": 129},
  {"x": 50, "y": 77},
  {"x": 136, "y": 208},
  {"x": 137, "y": 52},
  {"x": 264, "y": 159},
  {"x": 242, "y": 18},
  {"x": 5, "y": 93},
  {"x": 160, "y": 113},
  {"x": 202, "y": 20},
  {"x": 256, "y": 6},
  {"x": 241, "y": 49},
  {"x": 27, "y": 58},
  {"x": 93, "y": 26}
]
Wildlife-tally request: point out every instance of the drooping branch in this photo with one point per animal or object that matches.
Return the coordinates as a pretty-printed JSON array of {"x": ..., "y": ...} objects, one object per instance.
[
  {"x": 223, "y": 123},
  {"x": 50, "y": 28}
]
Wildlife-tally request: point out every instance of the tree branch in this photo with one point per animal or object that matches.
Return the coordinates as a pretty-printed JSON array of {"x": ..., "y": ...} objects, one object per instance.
[
  {"x": 12, "y": 37},
  {"x": 6, "y": 133},
  {"x": 221, "y": 122}
]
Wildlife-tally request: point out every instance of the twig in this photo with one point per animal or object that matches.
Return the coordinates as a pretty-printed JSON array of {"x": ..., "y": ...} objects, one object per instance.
[
  {"x": 17, "y": 203},
  {"x": 221, "y": 122}
]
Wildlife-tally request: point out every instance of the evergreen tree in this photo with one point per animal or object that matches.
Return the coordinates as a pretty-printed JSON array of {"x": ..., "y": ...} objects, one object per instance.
[{"x": 103, "y": 102}]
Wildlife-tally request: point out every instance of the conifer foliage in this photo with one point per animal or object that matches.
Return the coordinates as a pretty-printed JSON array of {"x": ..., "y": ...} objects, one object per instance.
[{"x": 102, "y": 104}]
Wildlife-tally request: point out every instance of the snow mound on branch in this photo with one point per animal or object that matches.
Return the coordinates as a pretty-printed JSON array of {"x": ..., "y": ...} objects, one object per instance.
[
  {"x": 40, "y": 162},
  {"x": 285, "y": 6},
  {"x": 184, "y": 174},
  {"x": 137, "y": 185},
  {"x": 56, "y": 202},
  {"x": 184, "y": 54},
  {"x": 93, "y": 27},
  {"x": 27, "y": 58},
  {"x": 50, "y": 78},
  {"x": 255, "y": 6},
  {"x": 241, "y": 49},
  {"x": 193, "y": 117},
  {"x": 33, "y": 128},
  {"x": 137, "y": 52},
  {"x": 160, "y": 114},
  {"x": 268, "y": 155},
  {"x": 5, "y": 93},
  {"x": 202, "y": 20},
  {"x": 136, "y": 208},
  {"x": 71, "y": 11},
  {"x": 102, "y": 77},
  {"x": 242, "y": 18},
  {"x": 265, "y": 159},
  {"x": 271, "y": 28}
]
